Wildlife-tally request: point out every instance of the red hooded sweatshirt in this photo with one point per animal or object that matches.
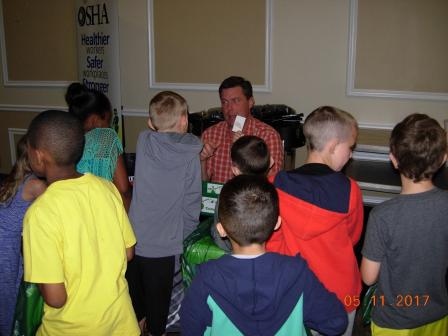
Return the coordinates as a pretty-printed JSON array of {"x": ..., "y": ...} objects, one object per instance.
[{"x": 325, "y": 239}]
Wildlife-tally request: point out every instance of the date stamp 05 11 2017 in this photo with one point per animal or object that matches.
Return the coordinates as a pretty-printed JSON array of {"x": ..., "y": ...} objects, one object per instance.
[{"x": 407, "y": 300}]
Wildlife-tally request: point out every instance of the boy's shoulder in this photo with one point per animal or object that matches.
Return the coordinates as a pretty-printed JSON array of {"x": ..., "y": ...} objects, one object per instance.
[
  {"x": 311, "y": 173},
  {"x": 232, "y": 263},
  {"x": 60, "y": 191},
  {"x": 148, "y": 135},
  {"x": 320, "y": 186},
  {"x": 435, "y": 198},
  {"x": 144, "y": 134}
]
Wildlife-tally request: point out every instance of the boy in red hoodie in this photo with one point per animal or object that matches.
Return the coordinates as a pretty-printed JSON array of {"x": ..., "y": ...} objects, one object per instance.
[{"x": 322, "y": 209}]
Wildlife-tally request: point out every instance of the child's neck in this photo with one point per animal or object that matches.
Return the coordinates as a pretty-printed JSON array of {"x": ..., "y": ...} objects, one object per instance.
[
  {"x": 171, "y": 130},
  {"x": 408, "y": 186},
  {"x": 175, "y": 129},
  {"x": 253, "y": 249},
  {"x": 56, "y": 173},
  {"x": 313, "y": 157},
  {"x": 317, "y": 157}
]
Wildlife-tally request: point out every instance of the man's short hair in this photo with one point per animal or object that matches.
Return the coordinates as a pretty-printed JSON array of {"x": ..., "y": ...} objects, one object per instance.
[
  {"x": 419, "y": 144},
  {"x": 60, "y": 134},
  {"x": 234, "y": 81},
  {"x": 250, "y": 155},
  {"x": 165, "y": 109},
  {"x": 248, "y": 209},
  {"x": 325, "y": 124}
]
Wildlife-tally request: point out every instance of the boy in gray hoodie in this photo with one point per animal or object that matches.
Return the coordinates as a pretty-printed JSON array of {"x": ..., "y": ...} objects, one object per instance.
[{"x": 165, "y": 207}]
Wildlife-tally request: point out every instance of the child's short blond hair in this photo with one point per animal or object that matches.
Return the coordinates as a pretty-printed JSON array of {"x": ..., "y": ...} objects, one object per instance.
[
  {"x": 165, "y": 109},
  {"x": 327, "y": 123}
]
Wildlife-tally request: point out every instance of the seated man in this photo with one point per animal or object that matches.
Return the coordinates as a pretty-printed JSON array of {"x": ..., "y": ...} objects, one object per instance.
[{"x": 236, "y": 100}]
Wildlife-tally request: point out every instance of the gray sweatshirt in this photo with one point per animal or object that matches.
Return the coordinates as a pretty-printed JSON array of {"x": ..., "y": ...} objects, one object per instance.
[{"x": 166, "y": 200}]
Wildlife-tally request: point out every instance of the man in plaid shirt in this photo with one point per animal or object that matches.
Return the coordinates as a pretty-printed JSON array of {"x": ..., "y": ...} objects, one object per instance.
[{"x": 236, "y": 100}]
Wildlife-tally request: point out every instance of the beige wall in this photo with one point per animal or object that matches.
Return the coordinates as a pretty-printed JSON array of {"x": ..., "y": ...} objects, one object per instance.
[
  {"x": 38, "y": 33},
  {"x": 410, "y": 41},
  {"x": 310, "y": 54},
  {"x": 181, "y": 57},
  {"x": 11, "y": 120}
]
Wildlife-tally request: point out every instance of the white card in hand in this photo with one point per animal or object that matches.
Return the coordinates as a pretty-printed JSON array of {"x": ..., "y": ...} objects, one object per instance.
[{"x": 238, "y": 124}]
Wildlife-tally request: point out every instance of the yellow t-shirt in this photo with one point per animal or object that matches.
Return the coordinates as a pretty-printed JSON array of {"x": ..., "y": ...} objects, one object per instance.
[{"x": 77, "y": 233}]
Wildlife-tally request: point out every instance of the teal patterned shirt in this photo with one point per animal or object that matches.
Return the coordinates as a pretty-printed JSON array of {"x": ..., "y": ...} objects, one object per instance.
[{"x": 101, "y": 150}]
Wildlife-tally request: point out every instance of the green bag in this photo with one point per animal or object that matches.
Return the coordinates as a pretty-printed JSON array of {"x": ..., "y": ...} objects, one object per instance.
[
  {"x": 29, "y": 310},
  {"x": 198, "y": 248},
  {"x": 367, "y": 305}
]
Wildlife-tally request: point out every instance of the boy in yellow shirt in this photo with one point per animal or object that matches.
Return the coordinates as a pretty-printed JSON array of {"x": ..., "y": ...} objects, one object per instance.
[{"x": 77, "y": 238}]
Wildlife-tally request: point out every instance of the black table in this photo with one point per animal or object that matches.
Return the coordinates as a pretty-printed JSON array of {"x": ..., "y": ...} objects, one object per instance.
[{"x": 381, "y": 176}]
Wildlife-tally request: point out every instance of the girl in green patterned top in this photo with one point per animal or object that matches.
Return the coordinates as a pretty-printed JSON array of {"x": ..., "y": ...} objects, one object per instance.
[{"x": 103, "y": 152}]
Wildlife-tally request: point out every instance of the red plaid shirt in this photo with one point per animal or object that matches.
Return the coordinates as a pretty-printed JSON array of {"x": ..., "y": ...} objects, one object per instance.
[{"x": 219, "y": 165}]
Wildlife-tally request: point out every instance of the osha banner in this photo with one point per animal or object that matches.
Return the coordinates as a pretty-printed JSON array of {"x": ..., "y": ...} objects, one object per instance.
[{"x": 98, "y": 53}]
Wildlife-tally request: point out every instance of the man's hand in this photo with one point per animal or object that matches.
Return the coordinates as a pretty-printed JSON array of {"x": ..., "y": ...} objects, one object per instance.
[
  {"x": 208, "y": 150},
  {"x": 237, "y": 135}
]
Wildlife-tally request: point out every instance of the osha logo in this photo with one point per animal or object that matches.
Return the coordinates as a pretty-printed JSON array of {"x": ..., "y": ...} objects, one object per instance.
[{"x": 92, "y": 15}]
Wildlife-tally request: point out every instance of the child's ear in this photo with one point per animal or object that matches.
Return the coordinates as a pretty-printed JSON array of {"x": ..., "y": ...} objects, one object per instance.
[
  {"x": 38, "y": 159},
  {"x": 394, "y": 160},
  {"x": 331, "y": 145},
  {"x": 271, "y": 162},
  {"x": 279, "y": 223},
  {"x": 150, "y": 125},
  {"x": 235, "y": 170},
  {"x": 38, "y": 156},
  {"x": 221, "y": 231},
  {"x": 184, "y": 122}
]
